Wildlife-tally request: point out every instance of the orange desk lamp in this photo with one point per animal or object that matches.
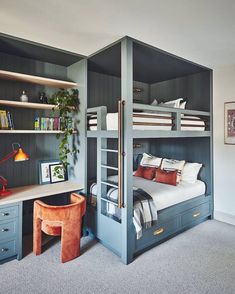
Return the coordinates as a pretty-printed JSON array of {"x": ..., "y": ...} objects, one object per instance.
[{"x": 19, "y": 155}]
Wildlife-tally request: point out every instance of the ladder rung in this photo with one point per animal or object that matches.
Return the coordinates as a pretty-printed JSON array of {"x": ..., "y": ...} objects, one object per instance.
[
  {"x": 109, "y": 150},
  {"x": 109, "y": 201},
  {"x": 109, "y": 184},
  {"x": 109, "y": 167}
]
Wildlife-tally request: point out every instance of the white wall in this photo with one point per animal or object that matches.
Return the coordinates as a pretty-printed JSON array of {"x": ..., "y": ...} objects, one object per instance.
[{"x": 224, "y": 155}]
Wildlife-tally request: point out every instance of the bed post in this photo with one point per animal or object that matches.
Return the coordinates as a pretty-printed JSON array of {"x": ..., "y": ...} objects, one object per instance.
[{"x": 127, "y": 96}]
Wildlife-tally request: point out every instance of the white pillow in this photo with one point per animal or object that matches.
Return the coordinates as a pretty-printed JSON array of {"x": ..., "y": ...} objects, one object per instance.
[
  {"x": 150, "y": 160},
  {"x": 173, "y": 164},
  {"x": 190, "y": 172},
  {"x": 154, "y": 103},
  {"x": 173, "y": 103},
  {"x": 182, "y": 105}
]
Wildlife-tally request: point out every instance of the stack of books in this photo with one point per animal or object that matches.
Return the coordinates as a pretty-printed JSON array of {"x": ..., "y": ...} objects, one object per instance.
[
  {"x": 6, "y": 120},
  {"x": 50, "y": 123}
]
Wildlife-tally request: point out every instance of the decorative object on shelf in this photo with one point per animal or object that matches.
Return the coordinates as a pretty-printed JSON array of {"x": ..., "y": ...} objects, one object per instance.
[
  {"x": 57, "y": 173},
  {"x": 44, "y": 171},
  {"x": 43, "y": 98},
  {"x": 19, "y": 155},
  {"x": 67, "y": 103},
  {"x": 24, "y": 97},
  {"x": 229, "y": 123}
]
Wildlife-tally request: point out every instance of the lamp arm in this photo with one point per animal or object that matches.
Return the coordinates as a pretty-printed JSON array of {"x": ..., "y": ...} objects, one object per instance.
[{"x": 10, "y": 155}]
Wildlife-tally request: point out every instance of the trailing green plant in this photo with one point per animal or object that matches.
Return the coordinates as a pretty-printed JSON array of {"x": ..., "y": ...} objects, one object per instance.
[{"x": 67, "y": 103}]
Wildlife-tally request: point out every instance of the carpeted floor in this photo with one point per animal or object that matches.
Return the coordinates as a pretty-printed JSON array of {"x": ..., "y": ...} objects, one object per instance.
[{"x": 201, "y": 260}]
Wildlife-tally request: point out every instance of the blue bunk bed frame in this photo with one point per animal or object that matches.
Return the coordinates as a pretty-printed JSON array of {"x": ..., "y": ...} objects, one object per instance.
[{"x": 120, "y": 236}]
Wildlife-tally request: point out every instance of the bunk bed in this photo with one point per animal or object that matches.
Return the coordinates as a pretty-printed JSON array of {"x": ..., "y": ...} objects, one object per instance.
[{"x": 115, "y": 125}]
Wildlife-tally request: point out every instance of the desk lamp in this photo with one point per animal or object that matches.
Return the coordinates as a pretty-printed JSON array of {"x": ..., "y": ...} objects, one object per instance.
[{"x": 18, "y": 155}]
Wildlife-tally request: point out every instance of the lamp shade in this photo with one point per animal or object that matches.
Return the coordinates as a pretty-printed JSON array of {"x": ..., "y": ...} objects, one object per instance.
[{"x": 21, "y": 155}]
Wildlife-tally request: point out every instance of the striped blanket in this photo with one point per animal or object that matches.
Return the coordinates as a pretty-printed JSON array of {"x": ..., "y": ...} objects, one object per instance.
[{"x": 145, "y": 212}]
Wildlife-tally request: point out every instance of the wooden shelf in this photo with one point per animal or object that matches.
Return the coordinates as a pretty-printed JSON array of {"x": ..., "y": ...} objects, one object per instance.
[
  {"x": 38, "y": 191},
  {"x": 14, "y": 76},
  {"x": 26, "y": 105},
  {"x": 30, "y": 132}
]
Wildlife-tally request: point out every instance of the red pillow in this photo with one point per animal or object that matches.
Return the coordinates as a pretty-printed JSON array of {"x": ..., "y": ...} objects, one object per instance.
[
  {"x": 147, "y": 173},
  {"x": 166, "y": 177}
]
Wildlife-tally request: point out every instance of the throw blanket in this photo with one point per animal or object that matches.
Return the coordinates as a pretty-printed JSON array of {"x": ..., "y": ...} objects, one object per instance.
[{"x": 145, "y": 212}]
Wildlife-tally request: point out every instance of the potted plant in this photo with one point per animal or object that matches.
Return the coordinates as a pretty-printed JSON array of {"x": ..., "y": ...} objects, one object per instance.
[{"x": 67, "y": 103}]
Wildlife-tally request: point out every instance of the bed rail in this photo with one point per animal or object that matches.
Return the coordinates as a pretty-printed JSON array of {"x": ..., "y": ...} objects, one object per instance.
[{"x": 173, "y": 118}]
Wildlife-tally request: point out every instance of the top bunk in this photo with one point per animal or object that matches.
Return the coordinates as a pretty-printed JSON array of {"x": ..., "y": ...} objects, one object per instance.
[{"x": 148, "y": 79}]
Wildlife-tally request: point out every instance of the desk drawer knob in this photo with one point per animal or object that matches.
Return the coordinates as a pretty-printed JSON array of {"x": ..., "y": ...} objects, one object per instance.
[
  {"x": 5, "y": 230},
  {"x": 196, "y": 214},
  {"x": 158, "y": 231},
  {"x": 4, "y": 249},
  {"x": 5, "y": 214}
]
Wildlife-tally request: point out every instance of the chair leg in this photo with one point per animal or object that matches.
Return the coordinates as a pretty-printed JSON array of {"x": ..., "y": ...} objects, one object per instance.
[
  {"x": 70, "y": 241},
  {"x": 37, "y": 236}
]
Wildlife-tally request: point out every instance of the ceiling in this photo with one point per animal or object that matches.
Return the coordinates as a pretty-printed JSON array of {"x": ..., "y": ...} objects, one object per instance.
[{"x": 200, "y": 30}]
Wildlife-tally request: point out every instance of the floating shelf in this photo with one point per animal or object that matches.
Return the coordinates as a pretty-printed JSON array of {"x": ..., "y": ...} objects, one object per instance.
[
  {"x": 30, "y": 132},
  {"x": 30, "y": 105},
  {"x": 14, "y": 76}
]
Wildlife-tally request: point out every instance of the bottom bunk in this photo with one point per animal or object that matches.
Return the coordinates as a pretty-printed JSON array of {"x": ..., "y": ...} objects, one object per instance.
[{"x": 178, "y": 208}]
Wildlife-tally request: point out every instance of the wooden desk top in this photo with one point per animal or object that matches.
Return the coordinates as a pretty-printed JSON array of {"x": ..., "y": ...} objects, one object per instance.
[{"x": 37, "y": 191}]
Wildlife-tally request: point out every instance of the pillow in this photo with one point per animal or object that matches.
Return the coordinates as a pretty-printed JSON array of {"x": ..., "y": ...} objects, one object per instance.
[
  {"x": 147, "y": 173},
  {"x": 182, "y": 105},
  {"x": 173, "y": 103},
  {"x": 166, "y": 177},
  {"x": 150, "y": 160},
  {"x": 173, "y": 164},
  {"x": 190, "y": 172},
  {"x": 154, "y": 103}
]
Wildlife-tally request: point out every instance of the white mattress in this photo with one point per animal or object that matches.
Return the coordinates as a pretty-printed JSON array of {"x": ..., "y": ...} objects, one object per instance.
[
  {"x": 112, "y": 122},
  {"x": 166, "y": 195}
]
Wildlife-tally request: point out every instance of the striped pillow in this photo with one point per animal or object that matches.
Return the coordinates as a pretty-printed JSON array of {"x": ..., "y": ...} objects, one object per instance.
[
  {"x": 173, "y": 164},
  {"x": 150, "y": 160}
]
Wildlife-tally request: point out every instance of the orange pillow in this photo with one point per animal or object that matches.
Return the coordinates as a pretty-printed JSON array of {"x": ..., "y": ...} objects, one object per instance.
[
  {"x": 166, "y": 177},
  {"x": 147, "y": 173}
]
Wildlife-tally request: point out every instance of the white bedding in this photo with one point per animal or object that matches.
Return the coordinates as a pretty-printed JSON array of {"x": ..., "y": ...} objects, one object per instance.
[
  {"x": 166, "y": 195},
  {"x": 112, "y": 122}
]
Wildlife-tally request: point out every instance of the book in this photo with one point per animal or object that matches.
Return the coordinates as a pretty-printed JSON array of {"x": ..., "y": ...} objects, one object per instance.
[
  {"x": 3, "y": 120},
  {"x": 37, "y": 123},
  {"x": 10, "y": 120}
]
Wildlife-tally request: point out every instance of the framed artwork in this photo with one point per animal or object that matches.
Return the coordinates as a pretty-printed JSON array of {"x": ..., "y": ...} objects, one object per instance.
[
  {"x": 229, "y": 123},
  {"x": 44, "y": 170},
  {"x": 57, "y": 173}
]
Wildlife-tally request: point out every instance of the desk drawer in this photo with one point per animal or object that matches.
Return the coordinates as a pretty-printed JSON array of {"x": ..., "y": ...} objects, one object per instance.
[
  {"x": 8, "y": 212},
  {"x": 8, "y": 249},
  {"x": 196, "y": 213},
  {"x": 8, "y": 229}
]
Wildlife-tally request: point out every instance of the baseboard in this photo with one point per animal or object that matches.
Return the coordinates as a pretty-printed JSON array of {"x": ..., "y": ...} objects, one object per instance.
[{"x": 224, "y": 217}]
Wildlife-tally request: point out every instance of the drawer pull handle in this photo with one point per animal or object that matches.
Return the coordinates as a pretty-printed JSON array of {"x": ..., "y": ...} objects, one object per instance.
[
  {"x": 4, "y": 249},
  {"x": 5, "y": 214},
  {"x": 158, "y": 231},
  {"x": 196, "y": 214},
  {"x": 5, "y": 230}
]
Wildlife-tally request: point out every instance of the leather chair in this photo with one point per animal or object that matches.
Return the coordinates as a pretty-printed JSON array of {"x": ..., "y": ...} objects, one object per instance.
[{"x": 64, "y": 221}]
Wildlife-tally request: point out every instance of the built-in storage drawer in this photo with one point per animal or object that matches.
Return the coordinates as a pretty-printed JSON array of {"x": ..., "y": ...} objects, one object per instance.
[
  {"x": 195, "y": 214},
  {"x": 8, "y": 249},
  {"x": 157, "y": 233},
  {"x": 8, "y": 229},
  {"x": 8, "y": 212}
]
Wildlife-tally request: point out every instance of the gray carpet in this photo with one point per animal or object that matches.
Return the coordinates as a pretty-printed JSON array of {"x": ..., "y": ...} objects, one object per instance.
[{"x": 201, "y": 260}]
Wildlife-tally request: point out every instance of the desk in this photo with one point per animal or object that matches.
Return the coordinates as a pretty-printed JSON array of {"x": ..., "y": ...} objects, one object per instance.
[{"x": 11, "y": 214}]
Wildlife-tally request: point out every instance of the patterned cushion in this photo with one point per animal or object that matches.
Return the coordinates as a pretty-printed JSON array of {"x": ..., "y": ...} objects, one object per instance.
[
  {"x": 166, "y": 177},
  {"x": 150, "y": 160},
  {"x": 173, "y": 164},
  {"x": 147, "y": 173}
]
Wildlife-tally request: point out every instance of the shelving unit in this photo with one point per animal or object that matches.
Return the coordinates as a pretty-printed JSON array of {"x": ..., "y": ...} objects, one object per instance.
[{"x": 15, "y": 76}]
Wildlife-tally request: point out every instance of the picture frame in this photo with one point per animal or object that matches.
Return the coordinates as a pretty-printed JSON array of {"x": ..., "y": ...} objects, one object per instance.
[
  {"x": 229, "y": 123},
  {"x": 44, "y": 171},
  {"x": 60, "y": 176}
]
